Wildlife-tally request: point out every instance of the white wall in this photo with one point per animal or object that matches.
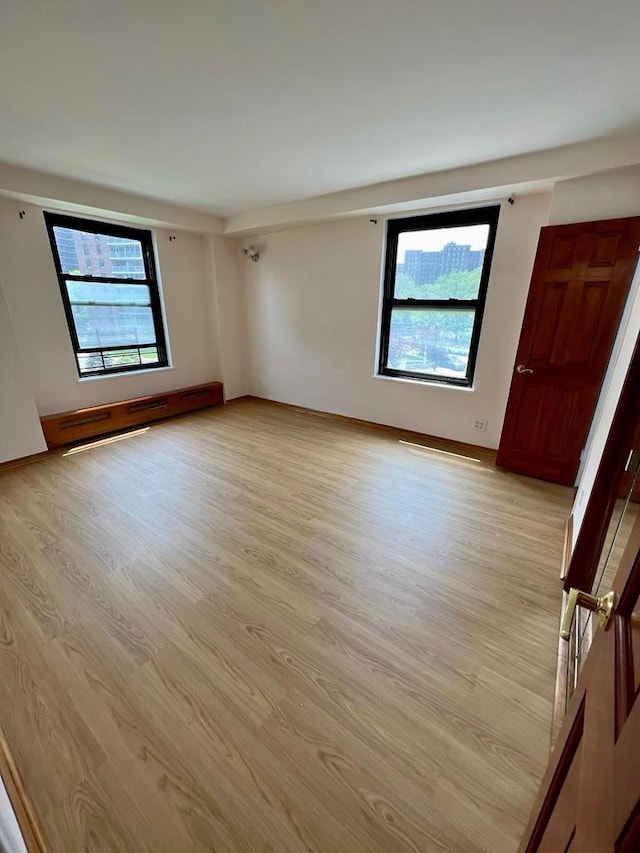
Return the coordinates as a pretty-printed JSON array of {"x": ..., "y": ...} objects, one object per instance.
[
  {"x": 313, "y": 317},
  {"x": 20, "y": 432},
  {"x": 606, "y": 195},
  {"x": 31, "y": 286}
]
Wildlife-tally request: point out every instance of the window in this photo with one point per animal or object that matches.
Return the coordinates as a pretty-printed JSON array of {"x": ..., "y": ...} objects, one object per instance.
[
  {"x": 115, "y": 319},
  {"x": 435, "y": 285}
]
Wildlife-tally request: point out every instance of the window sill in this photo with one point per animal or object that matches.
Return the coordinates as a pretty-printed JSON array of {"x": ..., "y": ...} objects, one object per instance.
[
  {"x": 124, "y": 373},
  {"x": 429, "y": 383}
]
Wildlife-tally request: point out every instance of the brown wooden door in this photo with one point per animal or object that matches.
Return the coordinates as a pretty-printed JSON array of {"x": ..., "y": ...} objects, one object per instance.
[
  {"x": 579, "y": 286},
  {"x": 590, "y": 797}
]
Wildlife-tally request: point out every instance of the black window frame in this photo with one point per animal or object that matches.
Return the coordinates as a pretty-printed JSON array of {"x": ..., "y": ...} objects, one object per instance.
[
  {"x": 453, "y": 219},
  {"x": 145, "y": 238}
]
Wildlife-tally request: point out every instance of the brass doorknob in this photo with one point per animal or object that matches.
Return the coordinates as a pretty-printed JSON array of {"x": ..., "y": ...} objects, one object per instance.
[
  {"x": 604, "y": 607},
  {"x": 522, "y": 369}
]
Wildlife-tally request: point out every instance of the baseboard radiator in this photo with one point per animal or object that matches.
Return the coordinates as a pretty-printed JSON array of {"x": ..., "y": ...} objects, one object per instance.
[{"x": 71, "y": 427}]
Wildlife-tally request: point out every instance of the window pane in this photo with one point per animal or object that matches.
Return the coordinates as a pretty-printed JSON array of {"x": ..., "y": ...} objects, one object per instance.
[
  {"x": 113, "y": 325},
  {"x": 90, "y": 293},
  {"x": 431, "y": 341},
  {"x": 123, "y": 358},
  {"x": 143, "y": 356},
  {"x": 149, "y": 355},
  {"x": 111, "y": 314},
  {"x": 90, "y": 361},
  {"x": 440, "y": 263},
  {"x": 80, "y": 252}
]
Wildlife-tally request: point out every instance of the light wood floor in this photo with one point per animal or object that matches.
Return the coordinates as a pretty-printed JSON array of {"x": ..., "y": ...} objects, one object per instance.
[{"x": 258, "y": 629}]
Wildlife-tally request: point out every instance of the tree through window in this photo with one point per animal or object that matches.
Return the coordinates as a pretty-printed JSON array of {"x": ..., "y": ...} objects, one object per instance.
[{"x": 435, "y": 285}]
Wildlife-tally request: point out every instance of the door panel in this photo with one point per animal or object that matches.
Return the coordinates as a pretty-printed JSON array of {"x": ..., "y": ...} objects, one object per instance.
[
  {"x": 558, "y": 826},
  {"x": 605, "y": 250},
  {"x": 550, "y": 313},
  {"x": 562, "y": 253},
  {"x": 635, "y": 646},
  {"x": 627, "y": 774},
  {"x": 579, "y": 286},
  {"x": 629, "y": 841},
  {"x": 582, "y": 344},
  {"x": 561, "y": 828}
]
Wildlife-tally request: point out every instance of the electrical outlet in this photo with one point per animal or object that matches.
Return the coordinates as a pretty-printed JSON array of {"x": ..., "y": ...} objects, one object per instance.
[{"x": 480, "y": 426}]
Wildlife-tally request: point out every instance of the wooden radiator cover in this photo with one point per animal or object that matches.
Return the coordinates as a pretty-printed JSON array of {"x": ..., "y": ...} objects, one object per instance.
[{"x": 69, "y": 427}]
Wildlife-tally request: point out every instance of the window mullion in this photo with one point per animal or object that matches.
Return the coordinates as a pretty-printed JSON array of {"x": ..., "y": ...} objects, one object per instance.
[
  {"x": 95, "y": 279},
  {"x": 111, "y": 304},
  {"x": 466, "y": 304}
]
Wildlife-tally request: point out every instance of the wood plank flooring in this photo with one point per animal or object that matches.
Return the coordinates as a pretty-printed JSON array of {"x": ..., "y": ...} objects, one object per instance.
[{"x": 257, "y": 629}]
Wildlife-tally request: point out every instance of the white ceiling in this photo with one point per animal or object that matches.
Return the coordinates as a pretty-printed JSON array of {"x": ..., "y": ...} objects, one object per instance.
[{"x": 229, "y": 105}]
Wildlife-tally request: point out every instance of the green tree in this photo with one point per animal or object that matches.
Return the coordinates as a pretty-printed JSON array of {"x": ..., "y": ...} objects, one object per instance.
[
  {"x": 406, "y": 288},
  {"x": 463, "y": 284}
]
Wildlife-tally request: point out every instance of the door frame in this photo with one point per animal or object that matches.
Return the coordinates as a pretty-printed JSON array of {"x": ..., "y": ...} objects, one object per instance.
[{"x": 584, "y": 560}]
